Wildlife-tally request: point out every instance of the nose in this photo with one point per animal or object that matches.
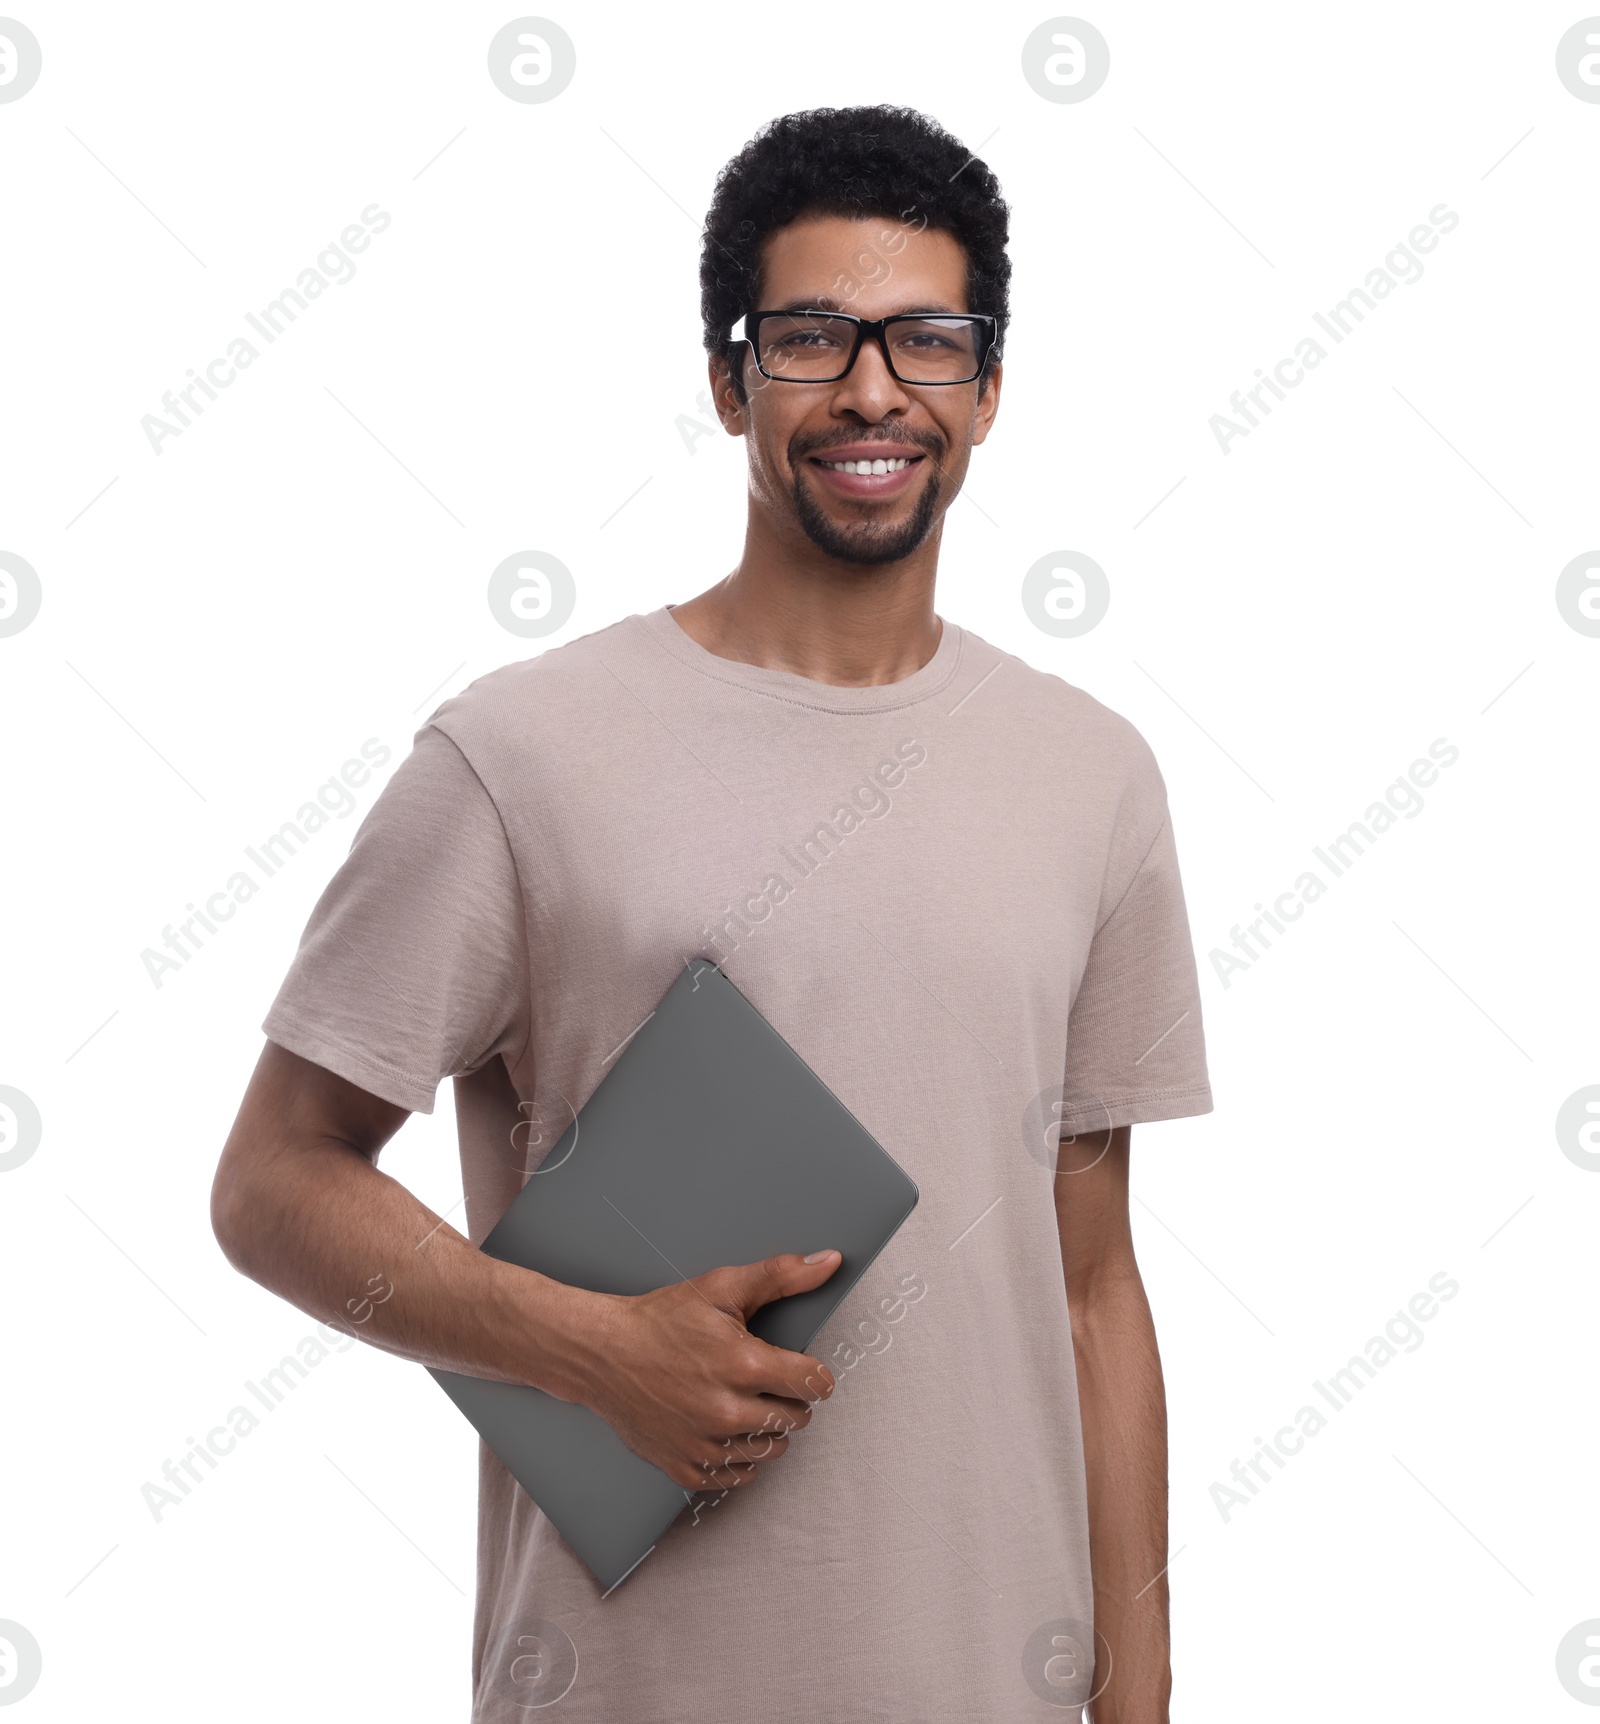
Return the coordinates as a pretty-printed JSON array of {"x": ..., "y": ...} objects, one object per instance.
[{"x": 869, "y": 389}]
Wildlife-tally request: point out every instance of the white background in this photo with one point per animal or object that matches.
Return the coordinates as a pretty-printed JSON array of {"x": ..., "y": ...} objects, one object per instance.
[{"x": 1290, "y": 628}]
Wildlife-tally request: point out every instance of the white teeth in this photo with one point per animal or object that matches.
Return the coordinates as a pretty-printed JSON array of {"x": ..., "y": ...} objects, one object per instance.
[{"x": 878, "y": 466}]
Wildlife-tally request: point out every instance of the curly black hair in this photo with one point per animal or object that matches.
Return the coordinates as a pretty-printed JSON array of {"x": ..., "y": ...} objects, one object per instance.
[{"x": 878, "y": 161}]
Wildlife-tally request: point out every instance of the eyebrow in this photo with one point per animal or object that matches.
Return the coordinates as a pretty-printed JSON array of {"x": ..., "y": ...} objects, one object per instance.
[{"x": 823, "y": 302}]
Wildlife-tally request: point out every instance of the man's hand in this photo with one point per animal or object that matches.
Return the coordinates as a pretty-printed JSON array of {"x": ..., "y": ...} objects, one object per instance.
[{"x": 686, "y": 1385}]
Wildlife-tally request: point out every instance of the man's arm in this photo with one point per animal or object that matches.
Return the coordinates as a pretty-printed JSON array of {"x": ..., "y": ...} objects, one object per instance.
[
  {"x": 1124, "y": 1414},
  {"x": 299, "y": 1205}
]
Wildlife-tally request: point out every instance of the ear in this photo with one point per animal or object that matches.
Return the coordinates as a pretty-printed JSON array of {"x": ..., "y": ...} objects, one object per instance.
[
  {"x": 988, "y": 405},
  {"x": 730, "y": 409}
]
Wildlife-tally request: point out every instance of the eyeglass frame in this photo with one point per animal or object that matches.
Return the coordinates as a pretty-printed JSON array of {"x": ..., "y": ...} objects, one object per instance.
[{"x": 875, "y": 327}]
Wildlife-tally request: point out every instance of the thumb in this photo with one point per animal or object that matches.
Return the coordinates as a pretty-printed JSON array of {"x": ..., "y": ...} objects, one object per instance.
[{"x": 753, "y": 1285}]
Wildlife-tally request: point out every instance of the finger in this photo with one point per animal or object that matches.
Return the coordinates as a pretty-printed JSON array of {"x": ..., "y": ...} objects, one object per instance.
[
  {"x": 736, "y": 1417},
  {"x": 749, "y": 1286},
  {"x": 761, "y": 1445},
  {"x": 784, "y": 1414},
  {"x": 725, "y": 1475},
  {"x": 787, "y": 1376},
  {"x": 755, "y": 1446}
]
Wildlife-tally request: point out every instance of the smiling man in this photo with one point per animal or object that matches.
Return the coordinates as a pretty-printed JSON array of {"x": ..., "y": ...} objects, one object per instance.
[{"x": 948, "y": 879}]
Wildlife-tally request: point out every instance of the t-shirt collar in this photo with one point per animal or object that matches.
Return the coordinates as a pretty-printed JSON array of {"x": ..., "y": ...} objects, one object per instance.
[{"x": 803, "y": 690}]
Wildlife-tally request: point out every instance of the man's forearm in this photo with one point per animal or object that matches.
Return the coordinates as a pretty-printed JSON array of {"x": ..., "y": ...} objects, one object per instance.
[
  {"x": 300, "y": 1206},
  {"x": 1123, "y": 1406},
  {"x": 323, "y": 1228}
]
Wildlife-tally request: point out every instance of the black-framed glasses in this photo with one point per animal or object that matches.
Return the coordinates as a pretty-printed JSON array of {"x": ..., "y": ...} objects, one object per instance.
[{"x": 821, "y": 346}]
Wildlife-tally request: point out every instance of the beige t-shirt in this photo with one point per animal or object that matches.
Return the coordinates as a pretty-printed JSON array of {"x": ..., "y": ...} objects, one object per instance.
[{"x": 957, "y": 897}]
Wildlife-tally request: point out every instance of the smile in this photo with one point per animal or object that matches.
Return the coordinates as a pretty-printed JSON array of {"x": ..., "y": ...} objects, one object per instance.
[
  {"x": 875, "y": 466},
  {"x": 864, "y": 475}
]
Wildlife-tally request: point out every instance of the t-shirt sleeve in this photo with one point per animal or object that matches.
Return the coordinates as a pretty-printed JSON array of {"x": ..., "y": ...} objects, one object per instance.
[
  {"x": 414, "y": 964},
  {"x": 1135, "y": 1044}
]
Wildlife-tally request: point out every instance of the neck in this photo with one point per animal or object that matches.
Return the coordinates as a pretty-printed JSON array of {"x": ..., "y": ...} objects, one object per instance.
[{"x": 792, "y": 607}]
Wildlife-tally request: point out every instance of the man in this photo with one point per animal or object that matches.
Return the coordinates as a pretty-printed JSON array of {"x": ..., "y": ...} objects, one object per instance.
[{"x": 947, "y": 879}]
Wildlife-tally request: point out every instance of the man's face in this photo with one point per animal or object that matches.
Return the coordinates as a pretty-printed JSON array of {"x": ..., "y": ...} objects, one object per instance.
[{"x": 870, "y": 268}]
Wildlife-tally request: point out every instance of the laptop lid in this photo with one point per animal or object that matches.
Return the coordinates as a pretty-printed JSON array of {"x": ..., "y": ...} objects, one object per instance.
[{"x": 709, "y": 1142}]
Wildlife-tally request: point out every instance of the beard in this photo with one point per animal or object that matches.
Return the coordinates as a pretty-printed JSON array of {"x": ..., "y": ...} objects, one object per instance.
[{"x": 868, "y": 542}]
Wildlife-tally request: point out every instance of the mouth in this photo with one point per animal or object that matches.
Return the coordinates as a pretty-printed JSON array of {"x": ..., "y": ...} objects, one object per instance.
[{"x": 867, "y": 472}]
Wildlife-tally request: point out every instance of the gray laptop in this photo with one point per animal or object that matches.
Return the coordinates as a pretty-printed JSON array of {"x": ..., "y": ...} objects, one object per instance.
[{"x": 709, "y": 1142}]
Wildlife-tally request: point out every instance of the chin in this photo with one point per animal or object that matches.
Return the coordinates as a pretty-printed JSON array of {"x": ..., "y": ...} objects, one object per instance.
[
  {"x": 868, "y": 550},
  {"x": 873, "y": 543}
]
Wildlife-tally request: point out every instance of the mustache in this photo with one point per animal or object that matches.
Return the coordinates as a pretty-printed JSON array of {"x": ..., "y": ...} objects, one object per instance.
[{"x": 928, "y": 443}]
